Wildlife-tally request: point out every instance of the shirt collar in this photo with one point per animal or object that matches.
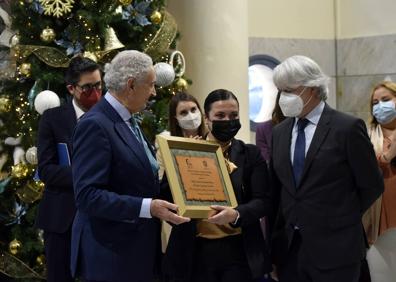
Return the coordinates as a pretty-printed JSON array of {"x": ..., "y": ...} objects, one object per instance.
[
  {"x": 314, "y": 115},
  {"x": 77, "y": 109},
  {"x": 118, "y": 107}
]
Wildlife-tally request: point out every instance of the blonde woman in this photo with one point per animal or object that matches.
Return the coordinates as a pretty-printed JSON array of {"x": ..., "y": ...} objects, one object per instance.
[{"x": 382, "y": 131}]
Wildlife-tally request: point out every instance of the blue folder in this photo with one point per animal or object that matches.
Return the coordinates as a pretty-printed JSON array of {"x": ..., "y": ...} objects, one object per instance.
[
  {"x": 63, "y": 154},
  {"x": 63, "y": 158}
]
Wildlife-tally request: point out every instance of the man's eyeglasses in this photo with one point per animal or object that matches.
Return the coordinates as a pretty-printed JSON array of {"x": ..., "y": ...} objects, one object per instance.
[{"x": 90, "y": 86}]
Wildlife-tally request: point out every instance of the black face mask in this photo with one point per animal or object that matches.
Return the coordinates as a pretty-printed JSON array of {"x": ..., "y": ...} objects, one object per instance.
[{"x": 225, "y": 130}]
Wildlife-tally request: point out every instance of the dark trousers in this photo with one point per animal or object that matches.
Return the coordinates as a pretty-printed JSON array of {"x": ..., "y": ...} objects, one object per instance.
[
  {"x": 57, "y": 256},
  {"x": 221, "y": 260},
  {"x": 299, "y": 268}
]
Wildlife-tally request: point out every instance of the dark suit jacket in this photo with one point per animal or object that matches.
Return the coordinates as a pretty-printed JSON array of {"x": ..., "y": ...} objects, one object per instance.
[
  {"x": 340, "y": 180},
  {"x": 251, "y": 187},
  {"x": 264, "y": 138},
  {"x": 57, "y": 208},
  {"x": 111, "y": 175}
]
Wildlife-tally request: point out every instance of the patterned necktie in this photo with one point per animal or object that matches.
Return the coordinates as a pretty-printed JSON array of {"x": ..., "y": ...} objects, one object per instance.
[
  {"x": 299, "y": 151},
  {"x": 136, "y": 130},
  {"x": 139, "y": 136}
]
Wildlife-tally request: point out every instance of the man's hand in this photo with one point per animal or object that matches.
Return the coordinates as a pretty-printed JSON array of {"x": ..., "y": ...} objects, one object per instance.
[
  {"x": 223, "y": 215},
  {"x": 164, "y": 210}
]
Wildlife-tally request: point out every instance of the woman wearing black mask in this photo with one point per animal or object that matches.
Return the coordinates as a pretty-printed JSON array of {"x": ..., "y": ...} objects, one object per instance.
[{"x": 229, "y": 245}]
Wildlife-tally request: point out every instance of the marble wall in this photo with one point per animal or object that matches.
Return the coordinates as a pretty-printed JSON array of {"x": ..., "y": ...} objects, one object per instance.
[
  {"x": 355, "y": 65},
  {"x": 362, "y": 63}
]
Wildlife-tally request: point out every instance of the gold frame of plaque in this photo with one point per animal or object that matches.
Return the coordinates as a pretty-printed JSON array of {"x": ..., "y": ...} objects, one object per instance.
[{"x": 197, "y": 175}]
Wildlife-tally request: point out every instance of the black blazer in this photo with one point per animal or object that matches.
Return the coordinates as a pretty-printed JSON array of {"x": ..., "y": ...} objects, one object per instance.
[
  {"x": 57, "y": 208},
  {"x": 251, "y": 186},
  {"x": 340, "y": 180}
]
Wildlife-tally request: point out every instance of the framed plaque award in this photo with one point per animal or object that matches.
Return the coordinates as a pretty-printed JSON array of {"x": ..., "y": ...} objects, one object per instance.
[{"x": 197, "y": 175}]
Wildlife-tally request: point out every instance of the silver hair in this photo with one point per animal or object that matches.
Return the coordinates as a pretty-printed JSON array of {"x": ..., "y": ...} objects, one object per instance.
[
  {"x": 126, "y": 64},
  {"x": 298, "y": 71}
]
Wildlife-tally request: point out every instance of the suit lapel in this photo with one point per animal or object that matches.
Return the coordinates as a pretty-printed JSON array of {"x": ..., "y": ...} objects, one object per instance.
[
  {"x": 285, "y": 143},
  {"x": 125, "y": 134},
  {"x": 130, "y": 140},
  {"x": 320, "y": 134}
]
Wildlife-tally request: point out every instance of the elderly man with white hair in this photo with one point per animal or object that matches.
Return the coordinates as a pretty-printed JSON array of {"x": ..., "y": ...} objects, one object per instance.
[
  {"x": 326, "y": 173},
  {"x": 116, "y": 228}
]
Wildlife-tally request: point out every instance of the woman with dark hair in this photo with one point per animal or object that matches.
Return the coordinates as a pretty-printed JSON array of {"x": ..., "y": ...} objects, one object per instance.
[
  {"x": 382, "y": 131},
  {"x": 227, "y": 246},
  {"x": 185, "y": 120}
]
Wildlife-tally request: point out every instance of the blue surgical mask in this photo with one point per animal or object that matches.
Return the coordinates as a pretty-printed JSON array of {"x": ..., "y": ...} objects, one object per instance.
[{"x": 384, "y": 112}]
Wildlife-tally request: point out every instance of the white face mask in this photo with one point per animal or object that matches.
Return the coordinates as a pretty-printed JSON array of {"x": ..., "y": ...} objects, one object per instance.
[
  {"x": 191, "y": 121},
  {"x": 292, "y": 104}
]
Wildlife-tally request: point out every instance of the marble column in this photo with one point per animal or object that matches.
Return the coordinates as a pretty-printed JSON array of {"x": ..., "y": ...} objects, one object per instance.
[{"x": 214, "y": 41}]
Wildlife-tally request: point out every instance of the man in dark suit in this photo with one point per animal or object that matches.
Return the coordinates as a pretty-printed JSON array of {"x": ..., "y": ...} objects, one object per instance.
[
  {"x": 115, "y": 236},
  {"x": 57, "y": 208},
  {"x": 324, "y": 167}
]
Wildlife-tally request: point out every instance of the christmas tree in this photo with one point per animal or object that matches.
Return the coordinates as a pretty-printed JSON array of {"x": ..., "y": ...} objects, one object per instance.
[{"x": 38, "y": 39}]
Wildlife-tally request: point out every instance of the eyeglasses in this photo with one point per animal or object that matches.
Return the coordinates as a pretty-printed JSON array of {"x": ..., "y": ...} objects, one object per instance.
[{"x": 90, "y": 86}]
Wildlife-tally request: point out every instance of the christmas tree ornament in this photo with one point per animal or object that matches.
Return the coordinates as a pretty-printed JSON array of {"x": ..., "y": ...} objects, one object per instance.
[
  {"x": 25, "y": 69},
  {"x": 156, "y": 17},
  {"x": 90, "y": 55},
  {"x": 18, "y": 155},
  {"x": 57, "y": 8},
  {"x": 111, "y": 40},
  {"x": 33, "y": 93},
  {"x": 45, "y": 100},
  {"x": 20, "y": 170},
  {"x": 125, "y": 2},
  {"x": 118, "y": 10},
  {"x": 15, "y": 39},
  {"x": 31, "y": 192},
  {"x": 163, "y": 38},
  {"x": 165, "y": 74},
  {"x": 181, "y": 84},
  {"x": 47, "y": 35},
  {"x": 40, "y": 260},
  {"x": 178, "y": 62},
  {"x": 13, "y": 141},
  {"x": 14, "y": 246},
  {"x": 5, "y": 104},
  {"x": 31, "y": 155},
  {"x": 6, "y": 32}
]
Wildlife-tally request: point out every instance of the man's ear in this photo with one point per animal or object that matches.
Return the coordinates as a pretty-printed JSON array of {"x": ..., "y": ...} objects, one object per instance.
[
  {"x": 71, "y": 89},
  {"x": 131, "y": 83}
]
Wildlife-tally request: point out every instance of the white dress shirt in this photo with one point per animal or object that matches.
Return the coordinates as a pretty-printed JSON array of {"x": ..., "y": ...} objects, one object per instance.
[{"x": 313, "y": 118}]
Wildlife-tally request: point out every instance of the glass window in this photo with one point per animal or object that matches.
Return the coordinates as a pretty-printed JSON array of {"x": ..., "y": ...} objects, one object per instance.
[{"x": 262, "y": 91}]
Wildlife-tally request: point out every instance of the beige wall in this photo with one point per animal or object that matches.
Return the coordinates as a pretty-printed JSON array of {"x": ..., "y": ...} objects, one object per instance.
[
  {"x": 313, "y": 19},
  {"x": 214, "y": 42},
  {"x": 360, "y": 18}
]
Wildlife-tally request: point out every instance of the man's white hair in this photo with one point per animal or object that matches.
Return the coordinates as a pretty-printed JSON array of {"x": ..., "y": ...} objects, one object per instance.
[
  {"x": 126, "y": 64},
  {"x": 298, "y": 71}
]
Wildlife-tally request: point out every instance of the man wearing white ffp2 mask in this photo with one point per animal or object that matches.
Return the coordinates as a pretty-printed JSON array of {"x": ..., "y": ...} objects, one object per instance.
[
  {"x": 292, "y": 104},
  {"x": 325, "y": 170}
]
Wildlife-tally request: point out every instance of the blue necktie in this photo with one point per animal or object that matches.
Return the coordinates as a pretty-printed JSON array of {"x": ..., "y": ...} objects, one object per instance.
[
  {"x": 136, "y": 130},
  {"x": 139, "y": 136},
  {"x": 299, "y": 151}
]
